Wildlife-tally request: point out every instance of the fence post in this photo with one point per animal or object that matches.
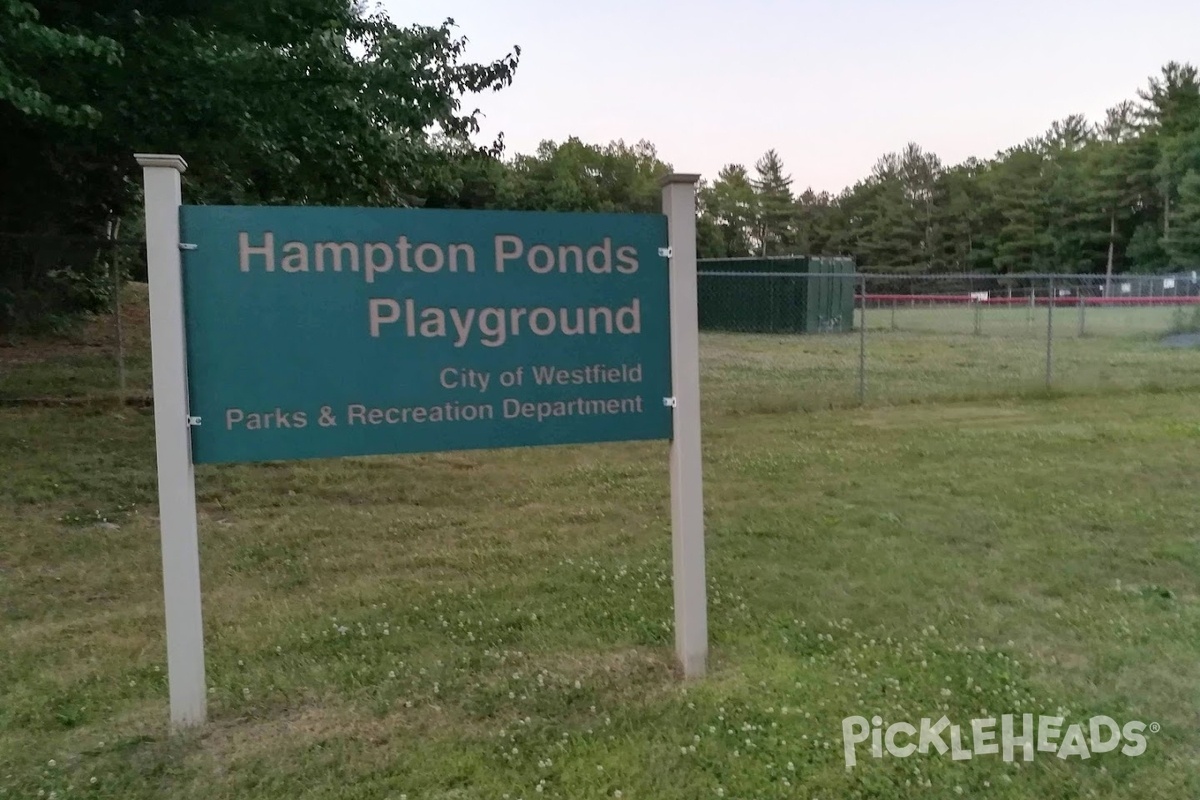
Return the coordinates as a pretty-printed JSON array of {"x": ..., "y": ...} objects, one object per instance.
[
  {"x": 978, "y": 312},
  {"x": 862, "y": 342},
  {"x": 1032, "y": 301},
  {"x": 114, "y": 257},
  {"x": 1050, "y": 335},
  {"x": 1082, "y": 316},
  {"x": 893, "y": 313}
]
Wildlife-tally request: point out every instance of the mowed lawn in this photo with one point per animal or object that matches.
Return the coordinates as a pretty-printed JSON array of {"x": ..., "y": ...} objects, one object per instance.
[{"x": 498, "y": 624}]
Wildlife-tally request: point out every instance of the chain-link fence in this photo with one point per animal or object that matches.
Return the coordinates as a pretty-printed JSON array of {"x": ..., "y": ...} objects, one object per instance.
[
  {"x": 806, "y": 334},
  {"x": 905, "y": 338}
]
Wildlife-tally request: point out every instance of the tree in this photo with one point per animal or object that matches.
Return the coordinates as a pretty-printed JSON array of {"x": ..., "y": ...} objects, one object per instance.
[
  {"x": 880, "y": 230},
  {"x": 31, "y": 49},
  {"x": 1074, "y": 213},
  {"x": 575, "y": 176},
  {"x": 960, "y": 214},
  {"x": 1171, "y": 110},
  {"x": 1017, "y": 185},
  {"x": 1178, "y": 156},
  {"x": 815, "y": 222},
  {"x": 1112, "y": 165},
  {"x": 270, "y": 102},
  {"x": 1184, "y": 246},
  {"x": 730, "y": 207},
  {"x": 1145, "y": 252},
  {"x": 894, "y": 210},
  {"x": 919, "y": 173},
  {"x": 774, "y": 204},
  {"x": 1171, "y": 102},
  {"x": 630, "y": 177}
]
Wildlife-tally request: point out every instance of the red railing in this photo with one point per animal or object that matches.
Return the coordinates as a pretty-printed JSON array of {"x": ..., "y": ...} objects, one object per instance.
[{"x": 966, "y": 299}]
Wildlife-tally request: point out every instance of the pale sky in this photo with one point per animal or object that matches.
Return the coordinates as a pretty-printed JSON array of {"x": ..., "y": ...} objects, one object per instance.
[{"x": 831, "y": 85}]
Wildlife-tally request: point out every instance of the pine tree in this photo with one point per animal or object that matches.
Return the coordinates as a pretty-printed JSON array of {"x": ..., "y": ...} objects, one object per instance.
[
  {"x": 1112, "y": 162},
  {"x": 731, "y": 205},
  {"x": 1019, "y": 193},
  {"x": 919, "y": 173},
  {"x": 1145, "y": 253},
  {"x": 1171, "y": 110},
  {"x": 815, "y": 221},
  {"x": 957, "y": 241},
  {"x": 775, "y": 211},
  {"x": 1184, "y": 245},
  {"x": 1074, "y": 215}
]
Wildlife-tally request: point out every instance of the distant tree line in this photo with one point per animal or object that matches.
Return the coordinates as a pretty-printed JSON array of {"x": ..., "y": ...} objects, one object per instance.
[
  {"x": 321, "y": 102},
  {"x": 1119, "y": 195}
]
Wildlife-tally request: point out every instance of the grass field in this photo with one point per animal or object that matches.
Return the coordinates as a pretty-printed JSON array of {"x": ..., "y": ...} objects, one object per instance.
[{"x": 498, "y": 624}]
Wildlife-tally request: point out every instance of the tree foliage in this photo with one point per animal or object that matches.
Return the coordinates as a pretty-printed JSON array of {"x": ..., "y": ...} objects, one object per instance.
[
  {"x": 574, "y": 176},
  {"x": 775, "y": 214},
  {"x": 274, "y": 101},
  {"x": 729, "y": 214}
]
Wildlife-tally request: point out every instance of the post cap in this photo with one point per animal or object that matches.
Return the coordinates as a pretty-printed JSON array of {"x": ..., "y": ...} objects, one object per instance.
[
  {"x": 161, "y": 160},
  {"x": 679, "y": 177}
]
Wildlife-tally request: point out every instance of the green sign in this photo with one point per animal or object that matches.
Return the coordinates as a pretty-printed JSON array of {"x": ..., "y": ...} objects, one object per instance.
[{"x": 318, "y": 332}]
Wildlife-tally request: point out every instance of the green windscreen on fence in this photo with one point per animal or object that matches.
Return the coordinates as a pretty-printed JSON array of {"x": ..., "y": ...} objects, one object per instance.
[{"x": 791, "y": 294}]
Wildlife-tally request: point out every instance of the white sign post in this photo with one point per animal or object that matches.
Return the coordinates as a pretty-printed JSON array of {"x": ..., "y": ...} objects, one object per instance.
[
  {"x": 176, "y": 477},
  {"x": 687, "y": 482}
]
